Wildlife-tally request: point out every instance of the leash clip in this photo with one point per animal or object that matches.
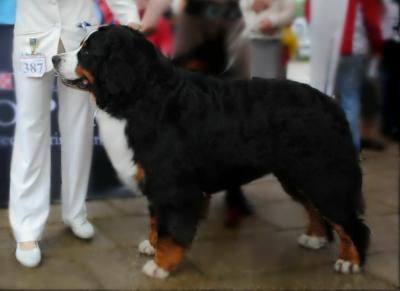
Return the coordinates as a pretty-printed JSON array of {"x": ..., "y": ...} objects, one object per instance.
[{"x": 84, "y": 25}]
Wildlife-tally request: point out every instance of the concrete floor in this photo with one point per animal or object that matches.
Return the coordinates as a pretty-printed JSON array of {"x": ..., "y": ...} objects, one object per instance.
[{"x": 261, "y": 254}]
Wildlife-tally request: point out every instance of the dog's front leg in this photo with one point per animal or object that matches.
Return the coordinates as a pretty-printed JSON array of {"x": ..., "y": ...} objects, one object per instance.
[
  {"x": 148, "y": 246},
  {"x": 176, "y": 227}
]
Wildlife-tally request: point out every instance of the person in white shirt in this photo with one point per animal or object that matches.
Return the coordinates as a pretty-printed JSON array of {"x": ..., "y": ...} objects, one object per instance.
[
  {"x": 264, "y": 22},
  {"x": 44, "y": 28},
  {"x": 325, "y": 36}
]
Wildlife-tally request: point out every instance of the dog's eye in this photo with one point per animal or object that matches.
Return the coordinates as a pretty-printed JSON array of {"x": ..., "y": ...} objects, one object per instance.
[{"x": 84, "y": 52}]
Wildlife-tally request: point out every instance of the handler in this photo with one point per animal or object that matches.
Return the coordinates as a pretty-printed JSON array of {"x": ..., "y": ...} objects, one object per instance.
[{"x": 44, "y": 28}]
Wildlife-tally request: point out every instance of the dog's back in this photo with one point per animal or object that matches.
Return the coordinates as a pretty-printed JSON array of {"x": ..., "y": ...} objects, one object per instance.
[{"x": 245, "y": 129}]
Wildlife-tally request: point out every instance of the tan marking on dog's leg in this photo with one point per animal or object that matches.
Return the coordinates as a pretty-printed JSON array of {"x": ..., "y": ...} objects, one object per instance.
[
  {"x": 148, "y": 247},
  {"x": 348, "y": 250},
  {"x": 315, "y": 237},
  {"x": 153, "y": 236},
  {"x": 140, "y": 176},
  {"x": 168, "y": 254},
  {"x": 349, "y": 259},
  {"x": 317, "y": 225}
]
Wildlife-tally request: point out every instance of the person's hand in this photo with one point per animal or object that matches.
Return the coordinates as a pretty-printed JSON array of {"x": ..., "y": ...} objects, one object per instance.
[
  {"x": 148, "y": 30},
  {"x": 266, "y": 26},
  {"x": 260, "y": 5},
  {"x": 134, "y": 25}
]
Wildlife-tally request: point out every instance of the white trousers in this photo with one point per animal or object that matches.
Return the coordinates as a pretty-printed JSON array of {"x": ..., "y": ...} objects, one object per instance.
[
  {"x": 266, "y": 58},
  {"x": 326, "y": 36},
  {"x": 30, "y": 166}
]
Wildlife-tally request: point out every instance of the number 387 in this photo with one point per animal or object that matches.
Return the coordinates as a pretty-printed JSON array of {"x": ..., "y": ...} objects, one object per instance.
[{"x": 33, "y": 67}]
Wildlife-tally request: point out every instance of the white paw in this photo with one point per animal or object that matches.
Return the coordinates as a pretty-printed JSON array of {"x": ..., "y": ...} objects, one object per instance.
[
  {"x": 146, "y": 248},
  {"x": 346, "y": 267},
  {"x": 131, "y": 183},
  {"x": 311, "y": 241},
  {"x": 152, "y": 270}
]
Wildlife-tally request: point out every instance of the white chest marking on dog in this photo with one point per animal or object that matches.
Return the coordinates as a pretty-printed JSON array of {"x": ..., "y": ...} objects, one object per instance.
[{"x": 112, "y": 134}]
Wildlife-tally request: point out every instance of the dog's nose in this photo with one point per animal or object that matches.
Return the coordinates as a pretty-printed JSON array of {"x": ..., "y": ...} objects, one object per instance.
[{"x": 56, "y": 60}]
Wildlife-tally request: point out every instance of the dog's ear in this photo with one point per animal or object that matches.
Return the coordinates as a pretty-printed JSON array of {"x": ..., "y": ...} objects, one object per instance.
[
  {"x": 129, "y": 61},
  {"x": 116, "y": 74}
]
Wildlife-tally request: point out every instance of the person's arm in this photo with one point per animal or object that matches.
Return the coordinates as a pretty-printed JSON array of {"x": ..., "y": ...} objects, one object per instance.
[
  {"x": 307, "y": 11},
  {"x": 154, "y": 10},
  {"x": 285, "y": 16},
  {"x": 371, "y": 11},
  {"x": 245, "y": 5},
  {"x": 126, "y": 12}
]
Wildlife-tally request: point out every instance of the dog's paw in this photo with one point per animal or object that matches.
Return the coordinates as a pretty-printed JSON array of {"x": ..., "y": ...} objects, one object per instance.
[
  {"x": 152, "y": 270},
  {"x": 346, "y": 267},
  {"x": 146, "y": 248},
  {"x": 311, "y": 241}
]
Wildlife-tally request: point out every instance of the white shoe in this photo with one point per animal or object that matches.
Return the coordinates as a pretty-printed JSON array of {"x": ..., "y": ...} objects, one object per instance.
[
  {"x": 312, "y": 242},
  {"x": 28, "y": 257},
  {"x": 83, "y": 230}
]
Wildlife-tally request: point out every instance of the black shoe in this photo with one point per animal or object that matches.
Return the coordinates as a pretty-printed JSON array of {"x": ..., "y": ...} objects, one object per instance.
[
  {"x": 237, "y": 207},
  {"x": 372, "y": 144},
  {"x": 235, "y": 198}
]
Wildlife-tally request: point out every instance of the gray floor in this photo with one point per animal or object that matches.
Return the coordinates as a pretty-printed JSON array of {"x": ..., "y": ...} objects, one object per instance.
[{"x": 261, "y": 254}]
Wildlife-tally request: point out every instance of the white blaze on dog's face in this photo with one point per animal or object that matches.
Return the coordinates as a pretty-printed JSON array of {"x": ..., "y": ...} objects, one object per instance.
[
  {"x": 66, "y": 65},
  {"x": 112, "y": 63}
]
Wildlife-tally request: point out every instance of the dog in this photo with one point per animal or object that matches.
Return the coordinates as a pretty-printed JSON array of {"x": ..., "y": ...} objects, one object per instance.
[{"x": 194, "y": 134}]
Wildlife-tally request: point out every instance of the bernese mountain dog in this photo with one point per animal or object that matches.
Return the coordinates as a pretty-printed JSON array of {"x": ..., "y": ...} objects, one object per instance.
[{"x": 193, "y": 135}]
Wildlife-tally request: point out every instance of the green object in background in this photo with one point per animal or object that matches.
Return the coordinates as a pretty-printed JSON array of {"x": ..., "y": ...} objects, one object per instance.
[{"x": 300, "y": 8}]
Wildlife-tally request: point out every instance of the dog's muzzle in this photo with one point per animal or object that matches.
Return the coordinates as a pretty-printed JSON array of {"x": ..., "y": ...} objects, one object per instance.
[{"x": 66, "y": 72}]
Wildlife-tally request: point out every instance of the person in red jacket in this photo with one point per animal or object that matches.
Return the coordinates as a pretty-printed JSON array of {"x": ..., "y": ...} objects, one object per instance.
[
  {"x": 361, "y": 38},
  {"x": 161, "y": 37}
]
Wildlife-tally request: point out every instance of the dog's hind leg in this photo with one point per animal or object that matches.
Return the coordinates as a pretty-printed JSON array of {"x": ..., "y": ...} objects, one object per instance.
[
  {"x": 336, "y": 196},
  {"x": 354, "y": 238},
  {"x": 319, "y": 231}
]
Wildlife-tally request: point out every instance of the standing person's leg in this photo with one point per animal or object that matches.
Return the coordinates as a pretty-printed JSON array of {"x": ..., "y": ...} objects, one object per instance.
[
  {"x": 76, "y": 128},
  {"x": 30, "y": 165},
  {"x": 238, "y": 48},
  {"x": 266, "y": 55},
  {"x": 391, "y": 90},
  {"x": 349, "y": 80},
  {"x": 325, "y": 38}
]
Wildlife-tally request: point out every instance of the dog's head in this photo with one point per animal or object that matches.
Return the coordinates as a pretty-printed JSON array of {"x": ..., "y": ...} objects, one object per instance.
[{"x": 113, "y": 63}]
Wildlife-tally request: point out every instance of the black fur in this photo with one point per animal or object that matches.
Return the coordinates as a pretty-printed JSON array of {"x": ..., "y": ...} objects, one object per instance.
[{"x": 194, "y": 134}]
